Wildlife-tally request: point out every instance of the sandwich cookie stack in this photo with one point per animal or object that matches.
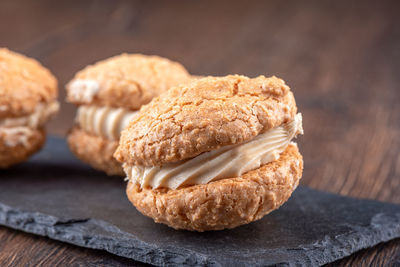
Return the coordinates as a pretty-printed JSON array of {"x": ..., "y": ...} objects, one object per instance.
[
  {"x": 109, "y": 94},
  {"x": 214, "y": 153},
  {"x": 28, "y": 93}
]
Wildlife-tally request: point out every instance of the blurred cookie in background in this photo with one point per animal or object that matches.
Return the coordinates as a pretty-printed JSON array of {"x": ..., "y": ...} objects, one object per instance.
[
  {"x": 108, "y": 95},
  {"x": 28, "y": 99}
]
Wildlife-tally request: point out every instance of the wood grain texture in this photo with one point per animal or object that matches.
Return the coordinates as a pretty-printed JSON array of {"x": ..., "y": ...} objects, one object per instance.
[
  {"x": 21, "y": 249},
  {"x": 341, "y": 58}
]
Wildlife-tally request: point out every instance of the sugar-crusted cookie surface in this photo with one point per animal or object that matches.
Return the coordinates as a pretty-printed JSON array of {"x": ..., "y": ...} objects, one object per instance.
[
  {"x": 24, "y": 83},
  {"x": 225, "y": 203},
  {"x": 127, "y": 80},
  {"x": 95, "y": 150},
  {"x": 204, "y": 115}
]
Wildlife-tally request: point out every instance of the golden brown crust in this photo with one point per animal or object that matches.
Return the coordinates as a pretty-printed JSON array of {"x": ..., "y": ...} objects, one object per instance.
[
  {"x": 204, "y": 115},
  {"x": 226, "y": 203},
  {"x": 10, "y": 155},
  {"x": 129, "y": 80},
  {"x": 95, "y": 151},
  {"x": 24, "y": 83}
]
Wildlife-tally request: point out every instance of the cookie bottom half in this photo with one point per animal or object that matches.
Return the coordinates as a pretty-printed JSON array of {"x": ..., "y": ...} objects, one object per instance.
[
  {"x": 225, "y": 203},
  {"x": 95, "y": 151},
  {"x": 13, "y": 152}
]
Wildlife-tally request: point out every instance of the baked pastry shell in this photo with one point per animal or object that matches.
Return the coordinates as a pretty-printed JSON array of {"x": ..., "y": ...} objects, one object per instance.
[
  {"x": 25, "y": 83},
  {"x": 95, "y": 151},
  {"x": 225, "y": 203},
  {"x": 129, "y": 80},
  {"x": 204, "y": 115}
]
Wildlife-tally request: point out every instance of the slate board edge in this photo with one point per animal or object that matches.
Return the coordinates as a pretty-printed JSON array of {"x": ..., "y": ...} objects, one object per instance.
[
  {"x": 382, "y": 231},
  {"x": 49, "y": 226}
]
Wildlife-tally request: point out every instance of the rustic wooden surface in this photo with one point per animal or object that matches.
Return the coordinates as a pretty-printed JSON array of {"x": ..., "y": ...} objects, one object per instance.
[{"x": 341, "y": 59}]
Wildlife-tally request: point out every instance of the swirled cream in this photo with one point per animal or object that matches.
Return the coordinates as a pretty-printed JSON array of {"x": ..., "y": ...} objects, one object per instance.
[
  {"x": 16, "y": 135},
  {"x": 104, "y": 121},
  {"x": 83, "y": 90},
  {"x": 42, "y": 113},
  {"x": 19, "y": 129},
  {"x": 226, "y": 162}
]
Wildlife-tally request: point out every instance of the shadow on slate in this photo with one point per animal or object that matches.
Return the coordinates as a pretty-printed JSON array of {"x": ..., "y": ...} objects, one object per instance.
[{"x": 55, "y": 195}]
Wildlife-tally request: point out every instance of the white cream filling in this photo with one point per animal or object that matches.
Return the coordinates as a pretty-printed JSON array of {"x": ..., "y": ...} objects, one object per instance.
[
  {"x": 104, "y": 121},
  {"x": 18, "y": 130},
  {"x": 226, "y": 162},
  {"x": 42, "y": 113},
  {"x": 83, "y": 90},
  {"x": 16, "y": 135}
]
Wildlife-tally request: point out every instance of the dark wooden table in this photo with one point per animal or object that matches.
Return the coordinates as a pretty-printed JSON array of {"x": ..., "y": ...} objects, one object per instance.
[{"x": 341, "y": 59}]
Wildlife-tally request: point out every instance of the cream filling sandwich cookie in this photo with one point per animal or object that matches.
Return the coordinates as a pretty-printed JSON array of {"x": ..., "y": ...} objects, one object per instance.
[
  {"x": 108, "y": 95},
  {"x": 214, "y": 153},
  {"x": 28, "y": 99}
]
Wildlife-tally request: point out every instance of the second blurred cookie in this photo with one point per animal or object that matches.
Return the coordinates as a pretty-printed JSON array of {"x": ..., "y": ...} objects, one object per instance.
[{"x": 108, "y": 94}]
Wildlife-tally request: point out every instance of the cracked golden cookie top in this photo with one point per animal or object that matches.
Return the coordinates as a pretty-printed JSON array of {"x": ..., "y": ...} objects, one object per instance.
[
  {"x": 204, "y": 115},
  {"x": 127, "y": 81},
  {"x": 24, "y": 83}
]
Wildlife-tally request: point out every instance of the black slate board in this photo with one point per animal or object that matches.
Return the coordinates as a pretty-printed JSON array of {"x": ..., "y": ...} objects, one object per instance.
[{"x": 55, "y": 195}]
